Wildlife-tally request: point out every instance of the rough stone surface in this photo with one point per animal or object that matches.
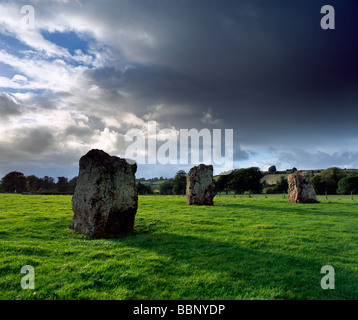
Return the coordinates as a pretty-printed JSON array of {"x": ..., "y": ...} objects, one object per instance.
[
  {"x": 200, "y": 186},
  {"x": 300, "y": 188},
  {"x": 105, "y": 200}
]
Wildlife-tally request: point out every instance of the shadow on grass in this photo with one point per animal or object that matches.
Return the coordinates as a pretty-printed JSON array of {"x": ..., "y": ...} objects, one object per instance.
[
  {"x": 240, "y": 269},
  {"x": 301, "y": 208}
]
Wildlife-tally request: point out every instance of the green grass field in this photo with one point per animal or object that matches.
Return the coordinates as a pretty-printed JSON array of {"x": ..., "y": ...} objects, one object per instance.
[{"x": 241, "y": 248}]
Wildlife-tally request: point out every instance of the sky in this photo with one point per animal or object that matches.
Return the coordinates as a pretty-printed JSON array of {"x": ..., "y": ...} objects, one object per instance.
[{"x": 89, "y": 71}]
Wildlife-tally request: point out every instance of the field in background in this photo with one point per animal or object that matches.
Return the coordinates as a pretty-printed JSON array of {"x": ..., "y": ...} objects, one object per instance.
[
  {"x": 241, "y": 248},
  {"x": 272, "y": 179}
]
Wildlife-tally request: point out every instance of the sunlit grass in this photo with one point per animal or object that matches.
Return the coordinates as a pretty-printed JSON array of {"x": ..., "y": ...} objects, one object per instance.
[{"x": 241, "y": 248}]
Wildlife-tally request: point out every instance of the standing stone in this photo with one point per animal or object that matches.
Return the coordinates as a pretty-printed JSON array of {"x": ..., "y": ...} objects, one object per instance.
[
  {"x": 105, "y": 200},
  {"x": 300, "y": 188},
  {"x": 199, "y": 185}
]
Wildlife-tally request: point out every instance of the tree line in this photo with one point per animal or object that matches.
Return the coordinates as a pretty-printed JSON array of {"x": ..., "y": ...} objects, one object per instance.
[
  {"x": 330, "y": 181},
  {"x": 335, "y": 181},
  {"x": 17, "y": 182},
  {"x": 238, "y": 181}
]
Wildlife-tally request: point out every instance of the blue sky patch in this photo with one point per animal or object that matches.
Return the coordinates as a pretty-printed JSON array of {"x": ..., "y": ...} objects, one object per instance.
[
  {"x": 12, "y": 45},
  {"x": 7, "y": 71},
  {"x": 69, "y": 40}
]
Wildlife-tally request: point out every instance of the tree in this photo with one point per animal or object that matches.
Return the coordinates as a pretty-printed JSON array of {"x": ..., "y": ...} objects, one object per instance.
[
  {"x": 246, "y": 180},
  {"x": 72, "y": 185},
  {"x": 348, "y": 184},
  {"x": 282, "y": 185},
  {"x": 166, "y": 187},
  {"x": 222, "y": 183},
  {"x": 327, "y": 180},
  {"x": 144, "y": 189},
  {"x": 318, "y": 184},
  {"x": 48, "y": 183},
  {"x": 179, "y": 182},
  {"x": 62, "y": 185},
  {"x": 34, "y": 183},
  {"x": 272, "y": 169},
  {"x": 14, "y": 182}
]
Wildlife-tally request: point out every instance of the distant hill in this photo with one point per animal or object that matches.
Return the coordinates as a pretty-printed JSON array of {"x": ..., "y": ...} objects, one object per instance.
[
  {"x": 154, "y": 183},
  {"x": 274, "y": 178},
  {"x": 270, "y": 178}
]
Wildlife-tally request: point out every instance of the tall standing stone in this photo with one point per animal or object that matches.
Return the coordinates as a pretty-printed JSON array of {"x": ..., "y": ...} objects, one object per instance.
[
  {"x": 300, "y": 188},
  {"x": 200, "y": 187},
  {"x": 105, "y": 200}
]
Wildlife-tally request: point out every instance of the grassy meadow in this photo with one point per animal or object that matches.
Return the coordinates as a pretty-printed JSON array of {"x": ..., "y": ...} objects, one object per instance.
[{"x": 240, "y": 248}]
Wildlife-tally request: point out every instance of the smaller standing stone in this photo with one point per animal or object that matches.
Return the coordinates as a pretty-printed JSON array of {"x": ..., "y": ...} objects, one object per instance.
[
  {"x": 300, "y": 188},
  {"x": 200, "y": 187}
]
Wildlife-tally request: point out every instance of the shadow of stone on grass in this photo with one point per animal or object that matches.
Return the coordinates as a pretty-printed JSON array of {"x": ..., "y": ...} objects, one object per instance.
[{"x": 294, "y": 276}]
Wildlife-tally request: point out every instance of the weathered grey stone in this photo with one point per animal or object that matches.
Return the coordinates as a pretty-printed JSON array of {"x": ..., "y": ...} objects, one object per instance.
[
  {"x": 300, "y": 188},
  {"x": 105, "y": 200},
  {"x": 200, "y": 188}
]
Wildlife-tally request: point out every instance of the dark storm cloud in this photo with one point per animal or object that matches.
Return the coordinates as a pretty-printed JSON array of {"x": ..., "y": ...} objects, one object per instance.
[
  {"x": 44, "y": 100},
  {"x": 259, "y": 66},
  {"x": 8, "y": 106},
  {"x": 319, "y": 159},
  {"x": 80, "y": 132},
  {"x": 43, "y": 156},
  {"x": 24, "y": 141},
  {"x": 34, "y": 141},
  {"x": 142, "y": 89},
  {"x": 240, "y": 154}
]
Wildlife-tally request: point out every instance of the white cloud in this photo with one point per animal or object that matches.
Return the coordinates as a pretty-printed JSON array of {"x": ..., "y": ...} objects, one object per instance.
[
  {"x": 106, "y": 140},
  {"x": 19, "y": 78},
  {"x": 11, "y": 24},
  {"x": 53, "y": 75}
]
